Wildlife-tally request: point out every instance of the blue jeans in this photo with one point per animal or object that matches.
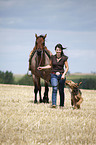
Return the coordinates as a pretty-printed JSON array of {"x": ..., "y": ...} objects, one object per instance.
[{"x": 55, "y": 81}]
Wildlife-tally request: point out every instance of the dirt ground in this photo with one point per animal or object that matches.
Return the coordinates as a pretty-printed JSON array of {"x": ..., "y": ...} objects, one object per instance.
[{"x": 24, "y": 123}]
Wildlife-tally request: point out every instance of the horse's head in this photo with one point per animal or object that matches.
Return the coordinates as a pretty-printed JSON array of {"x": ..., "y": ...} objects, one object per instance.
[{"x": 40, "y": 43}]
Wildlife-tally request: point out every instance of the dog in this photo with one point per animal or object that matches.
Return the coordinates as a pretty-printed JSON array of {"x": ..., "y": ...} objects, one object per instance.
[{"x": 76, "y": 94}]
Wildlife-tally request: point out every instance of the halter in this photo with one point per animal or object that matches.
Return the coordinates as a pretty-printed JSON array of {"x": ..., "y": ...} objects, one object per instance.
[{"x": 42, "y": 52}]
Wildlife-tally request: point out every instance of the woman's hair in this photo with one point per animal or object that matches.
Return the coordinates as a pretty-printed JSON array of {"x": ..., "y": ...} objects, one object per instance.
[{"x": 61, "y": 47}]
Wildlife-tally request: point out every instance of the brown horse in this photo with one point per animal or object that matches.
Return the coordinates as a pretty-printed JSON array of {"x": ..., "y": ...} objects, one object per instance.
[{"x": 40, "y": 56}]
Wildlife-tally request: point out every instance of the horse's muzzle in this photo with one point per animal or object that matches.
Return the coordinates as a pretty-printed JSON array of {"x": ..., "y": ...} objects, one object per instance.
[{"x": 39, "y": 52}]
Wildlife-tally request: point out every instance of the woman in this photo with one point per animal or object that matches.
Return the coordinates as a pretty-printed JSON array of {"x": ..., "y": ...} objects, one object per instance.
[{"x": 58, "y": 74}]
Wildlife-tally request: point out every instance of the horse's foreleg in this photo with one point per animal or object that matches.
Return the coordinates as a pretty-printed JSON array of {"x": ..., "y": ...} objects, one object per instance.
[
  {"x": 45, "y": 98},
  {"x": 35, "y": 91},
  {"x": 40, "y": 94},
  {"x": 39, "y": 88},
  {"x": 35, "y": 80}
]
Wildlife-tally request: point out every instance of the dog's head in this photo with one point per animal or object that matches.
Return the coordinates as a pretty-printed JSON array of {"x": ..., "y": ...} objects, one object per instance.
[{"x": 73, "y": 86}]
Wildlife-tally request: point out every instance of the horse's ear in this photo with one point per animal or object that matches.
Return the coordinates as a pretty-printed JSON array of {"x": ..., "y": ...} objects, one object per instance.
[
  {"x": 45, "y": 35},
  {"x": 35, "y": 35}
]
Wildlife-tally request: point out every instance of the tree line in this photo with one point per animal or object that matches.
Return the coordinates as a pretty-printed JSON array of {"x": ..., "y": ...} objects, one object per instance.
[{"x": 8, "y": 78}]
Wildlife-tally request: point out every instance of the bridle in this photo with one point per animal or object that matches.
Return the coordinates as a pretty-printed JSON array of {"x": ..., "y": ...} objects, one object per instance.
[{"x": 41, "y": 54}]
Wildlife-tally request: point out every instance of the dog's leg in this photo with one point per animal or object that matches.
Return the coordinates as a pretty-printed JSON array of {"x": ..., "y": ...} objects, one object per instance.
[
  {"x": 73, "y": 101},
  {"x": 80, "y": 100}
]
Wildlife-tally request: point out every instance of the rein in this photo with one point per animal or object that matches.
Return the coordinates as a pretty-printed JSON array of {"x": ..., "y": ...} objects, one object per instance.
[
  {"x": 39, "y": 63},
  {"x": 40, "y": 59}
]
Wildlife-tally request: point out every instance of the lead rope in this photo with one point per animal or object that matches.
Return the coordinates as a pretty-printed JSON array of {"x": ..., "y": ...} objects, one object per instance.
[{"x": 40, "y": 63}]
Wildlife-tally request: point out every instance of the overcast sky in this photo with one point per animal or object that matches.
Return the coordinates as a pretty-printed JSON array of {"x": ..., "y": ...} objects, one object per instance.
[{"x": 69, "y": 22}]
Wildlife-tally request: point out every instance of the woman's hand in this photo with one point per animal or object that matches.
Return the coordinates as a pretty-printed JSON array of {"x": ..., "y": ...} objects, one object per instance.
[
  {"x": 39, "y": 68},
  {"x": 66, "y": 70},
  {"x": 63, "y": 76}
]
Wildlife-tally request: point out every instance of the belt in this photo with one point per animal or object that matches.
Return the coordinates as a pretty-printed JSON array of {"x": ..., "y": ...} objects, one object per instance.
[{"x": 57, "y": 73}]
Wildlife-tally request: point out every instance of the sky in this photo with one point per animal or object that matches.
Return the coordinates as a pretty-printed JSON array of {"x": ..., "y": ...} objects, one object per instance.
[{"x": 69, "y": 22}]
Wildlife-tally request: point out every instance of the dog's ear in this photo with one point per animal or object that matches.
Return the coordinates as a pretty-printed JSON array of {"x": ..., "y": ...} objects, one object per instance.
[{"x": 79, "y": 83}]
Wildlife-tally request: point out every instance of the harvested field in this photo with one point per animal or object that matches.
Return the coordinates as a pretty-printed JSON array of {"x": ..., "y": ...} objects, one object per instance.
[{"x": 22, "y": 122}]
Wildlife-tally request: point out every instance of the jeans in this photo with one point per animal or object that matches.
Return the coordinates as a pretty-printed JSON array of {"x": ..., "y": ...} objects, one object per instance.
[{"x": 55, "y": 81}]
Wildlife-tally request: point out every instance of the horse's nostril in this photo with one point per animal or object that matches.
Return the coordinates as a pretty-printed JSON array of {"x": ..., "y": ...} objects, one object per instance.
[{"x": 39, "y": 51}]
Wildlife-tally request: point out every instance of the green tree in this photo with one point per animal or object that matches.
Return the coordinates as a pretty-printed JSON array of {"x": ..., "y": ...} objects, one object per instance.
[
  {"x": 6, "y": 78},
  {"x": 1, "y": 77},
  {"x": 26, "y": 80}
]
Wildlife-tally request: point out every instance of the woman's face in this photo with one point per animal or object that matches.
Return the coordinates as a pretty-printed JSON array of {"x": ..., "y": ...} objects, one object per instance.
[{"x": 58, "y": 50}]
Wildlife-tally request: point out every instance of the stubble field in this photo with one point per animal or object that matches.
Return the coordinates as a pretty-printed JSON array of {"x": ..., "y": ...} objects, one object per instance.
[{"x": 24, "y": 123}]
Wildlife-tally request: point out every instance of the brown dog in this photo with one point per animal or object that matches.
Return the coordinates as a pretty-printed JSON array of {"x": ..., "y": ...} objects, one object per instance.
[{"x": 76, "y": 95}]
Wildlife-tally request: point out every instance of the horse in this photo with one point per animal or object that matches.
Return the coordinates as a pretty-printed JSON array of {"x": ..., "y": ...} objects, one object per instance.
[
  {"x": 76, "y": 94},
  {"x": 40, "y": 56}
]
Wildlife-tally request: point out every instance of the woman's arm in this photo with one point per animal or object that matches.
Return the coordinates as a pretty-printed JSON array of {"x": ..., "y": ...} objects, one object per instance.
[
  {"x": 66, "y": 70},
  {"x": 45, "y": 67}
]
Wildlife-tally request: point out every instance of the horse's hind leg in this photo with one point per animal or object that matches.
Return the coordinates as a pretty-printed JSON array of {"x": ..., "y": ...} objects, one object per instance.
[{"x": 45, "y": 98}]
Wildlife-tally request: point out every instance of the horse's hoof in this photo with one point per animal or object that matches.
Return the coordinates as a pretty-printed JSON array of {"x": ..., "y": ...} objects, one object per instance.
[
  {"x": 35, "y": 101},
  {"x": 40, "y": 100},
  {"x": 45, "y": 100}
]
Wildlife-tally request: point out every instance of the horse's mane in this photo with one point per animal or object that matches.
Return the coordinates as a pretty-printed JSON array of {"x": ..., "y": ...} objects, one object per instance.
[
  {"x": 41, "y": 36},
  {"x": 35, "y": 48}
]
